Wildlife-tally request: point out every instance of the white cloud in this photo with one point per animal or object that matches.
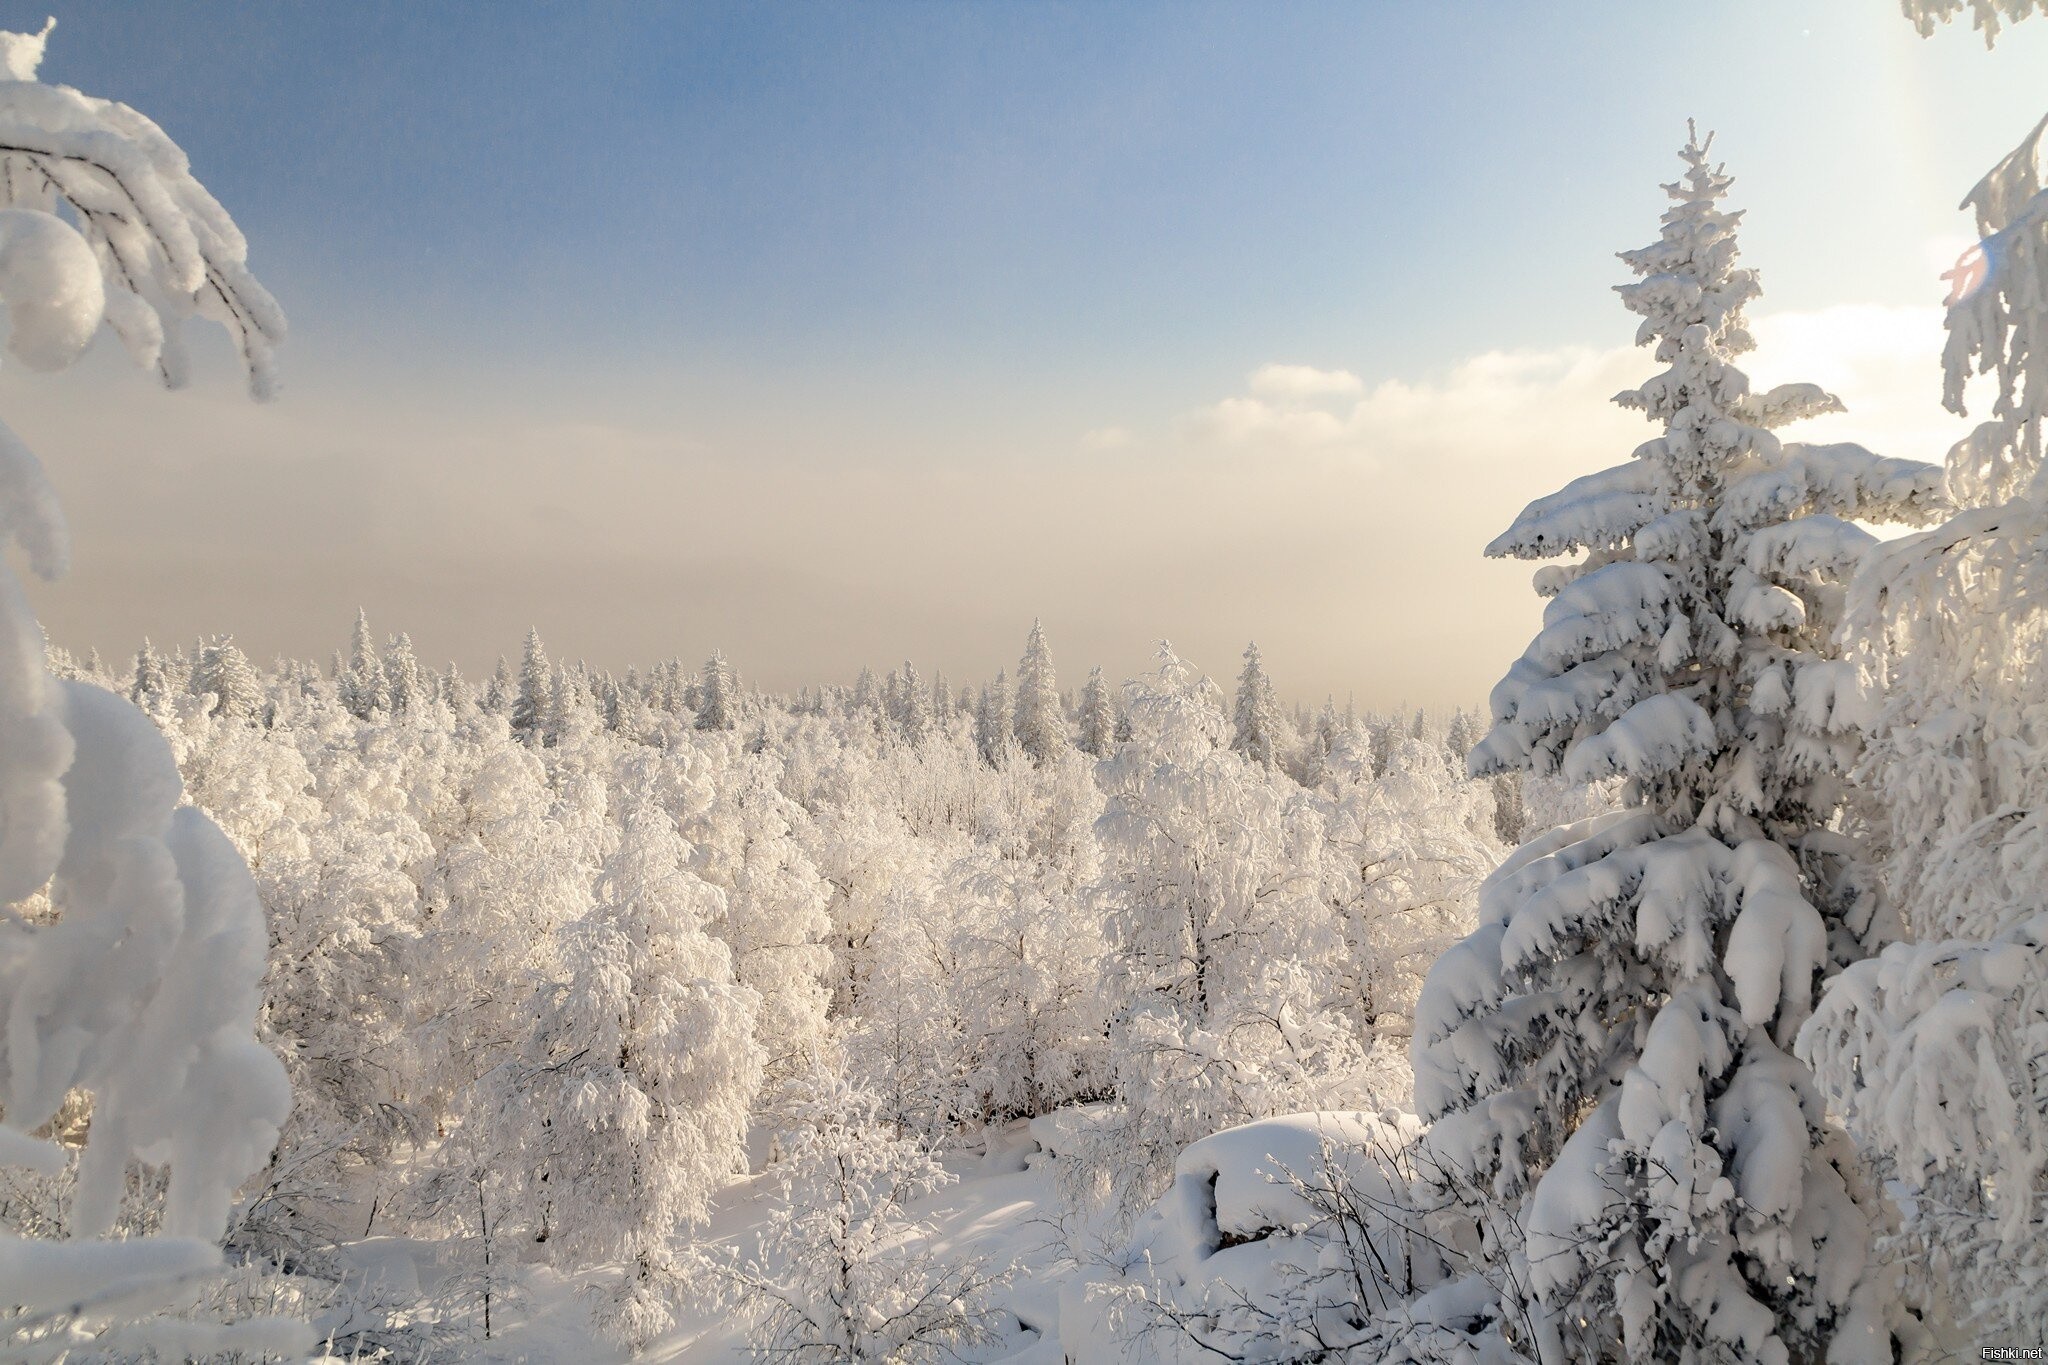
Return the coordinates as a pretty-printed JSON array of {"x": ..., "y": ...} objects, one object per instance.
[
  {"x": 1108, "y": 438},
  {"x": 1301, "y": 383},
  {"x": 1882, "y": 361}
]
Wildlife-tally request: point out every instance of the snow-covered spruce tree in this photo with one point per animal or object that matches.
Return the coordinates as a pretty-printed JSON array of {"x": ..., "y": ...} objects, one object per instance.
[
  {"x": 500, "y": 690},
  {"x": 914, "y": 707},
  {"x": 409, "y": 685},
  {"x": 152, "y": 681},
  {"x": 992, "y": 735},
  {"x": 536, "y": 689},
  {"x": 1041, "y": 723},
  {"x": 225, "y": 673},
  {"x": 1255, "y": 731},
  {"x": 1933, "y": 1051},
  {"x": 361, "y": 682},
  {"x": 1604, "y": 1059},
  {"x": 1098, "y": 717},
  {"x": 131, "y": 956},
  {"x": 718, "y": 706}
]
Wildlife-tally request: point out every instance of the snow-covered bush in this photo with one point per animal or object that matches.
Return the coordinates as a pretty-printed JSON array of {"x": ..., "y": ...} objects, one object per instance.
[
  {"x": 1286, "y": 1239},
  {"x": 833, "y": 1282},
  {"x": 1604, "y": 1061}
]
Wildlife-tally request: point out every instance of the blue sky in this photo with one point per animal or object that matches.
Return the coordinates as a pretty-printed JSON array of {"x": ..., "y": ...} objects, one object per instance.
[{"x": 925, "y": 242}]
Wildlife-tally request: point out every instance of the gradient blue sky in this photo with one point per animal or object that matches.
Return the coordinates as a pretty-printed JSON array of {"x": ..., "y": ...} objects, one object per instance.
[{"x": 865, "y": 277}]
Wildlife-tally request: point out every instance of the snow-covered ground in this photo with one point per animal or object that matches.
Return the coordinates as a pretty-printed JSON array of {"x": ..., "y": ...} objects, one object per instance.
[{"x": 1002, "y": 1209}]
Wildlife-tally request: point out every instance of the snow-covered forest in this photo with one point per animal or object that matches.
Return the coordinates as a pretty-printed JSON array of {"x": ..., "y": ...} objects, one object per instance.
[{"x": 1688, "y": 1002}]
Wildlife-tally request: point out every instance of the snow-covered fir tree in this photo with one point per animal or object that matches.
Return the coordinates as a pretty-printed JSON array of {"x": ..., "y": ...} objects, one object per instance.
[
  {"x": 536, "y": 689},
  {"x": 405, "y": 682},
  {"x": 364, "y": 687},
  {"x": 1098, "y": 717},
  {"x": 1255, "y": 730},
  {"x": 223, "y": 672},
  {"x": 1041, "y": 722},
  {"x": 718, "y": 706},
  {"x": 1605, "y": 1061},
  {"x": 914, "y": 706},
  {"x": 151, "y": 680},
  {"x": 993, "y": 735}
]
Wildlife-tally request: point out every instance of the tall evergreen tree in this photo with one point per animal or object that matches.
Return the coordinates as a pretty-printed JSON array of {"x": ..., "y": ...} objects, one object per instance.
[
  {"x": 406, "y": 686},
  {"x": 914, "y": 714},
  {"x": 361, "y": 682},
  {"x": 225, "y": 672},
  {"x": 500, "y": 691},
  {"x": 1098, "y": 717},
  {"x": 718, "y": 703},
  {"x": 1605, "y": 1060},
  {"x": 993, "y": 739},
  {"x": 152, "y": 680},
  {"x": 536, "y": 686},
  {"x": 1041, "y": 724},
  {"x": 1256, "y": 732}
]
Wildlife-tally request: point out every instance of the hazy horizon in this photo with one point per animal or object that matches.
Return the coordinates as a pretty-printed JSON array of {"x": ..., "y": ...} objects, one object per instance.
[{"x": 835, "y": 337}]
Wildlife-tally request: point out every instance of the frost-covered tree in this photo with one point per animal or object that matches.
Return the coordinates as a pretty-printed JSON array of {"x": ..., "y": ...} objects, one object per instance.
[
  {"x": 718, "y": 706},
  {"x": 361, "y": 681},
  {"x": 1605, "y": 1061},
  {"x": 1933, "y": 1051},
  {"x": 500, "y": 690},
  {"x": 773, "y": 918},
  {"x": 837, "y": 1280},
  {"x": 406, "y": 684},
  {"x": 152, "y": 680},
  {"x": 131, "y": 956},
  {"x": 1098, "y": 717},
  {"x": 627, "y": 1104},
  {"x": 536, "y": 689},
  {"x": 1255, "y": 731},
  {"x": 993, "y": 737},
  {"x": 914, "y": 706},
  {"x": 1041, "y": 723},
  {"x": 1409, "y": 847},
  {"x": 223, "y": 672},
  {"x": 1212, "y": 880}
]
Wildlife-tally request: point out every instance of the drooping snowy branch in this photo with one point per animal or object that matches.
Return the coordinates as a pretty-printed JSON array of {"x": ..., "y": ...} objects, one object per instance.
[{"x": 134, "y": 948}]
